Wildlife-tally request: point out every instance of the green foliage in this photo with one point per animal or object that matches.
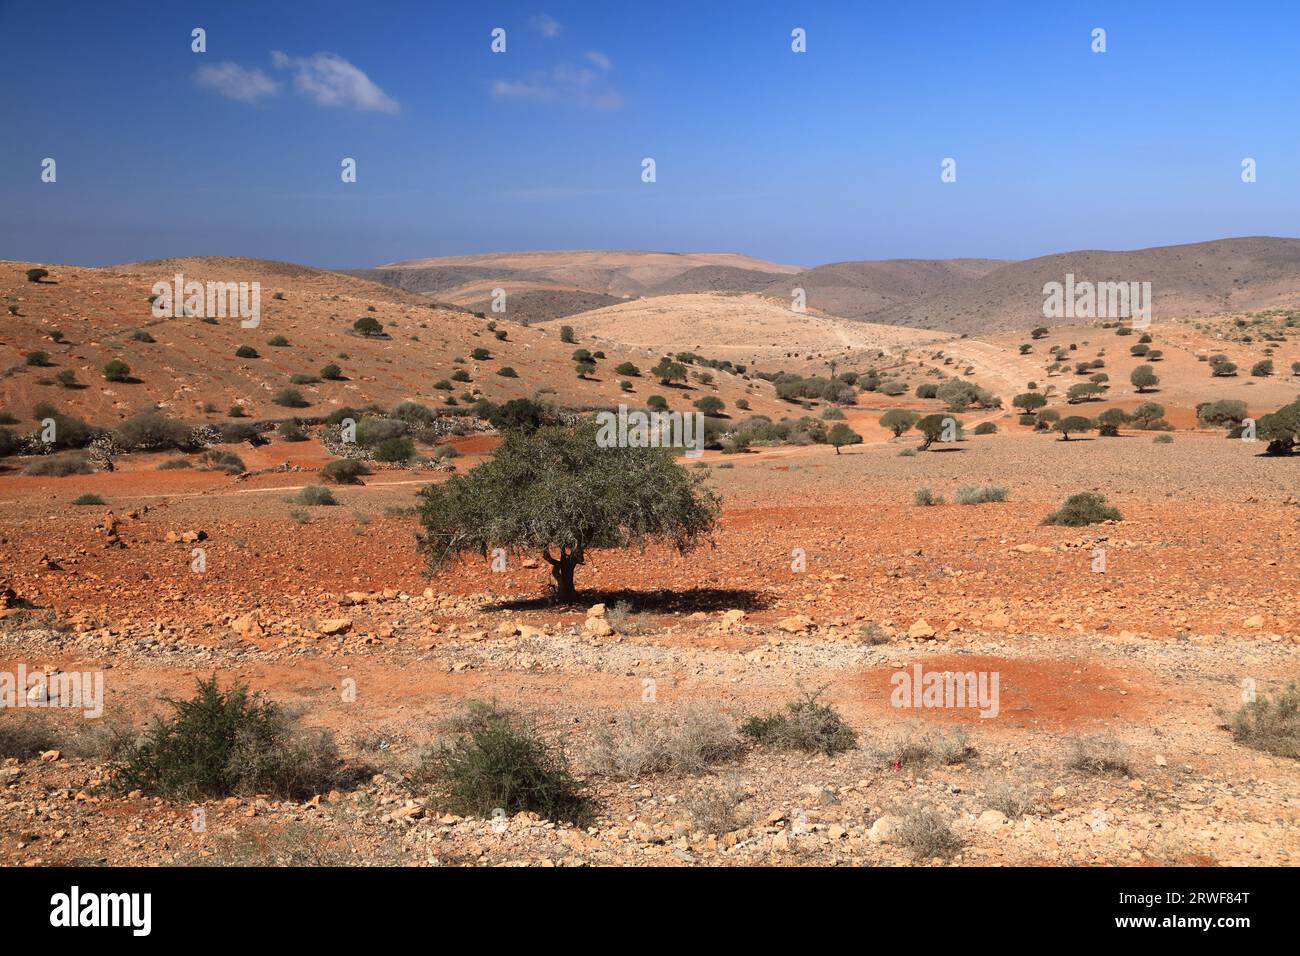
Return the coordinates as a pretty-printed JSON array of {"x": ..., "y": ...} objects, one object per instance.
[
  {"x": 1083, "y": 508},
  {"x": 500, "y": 761},
  {"x": 557, "y": 489},
  {"x": 117, "y": 371},
  {"x": 806, "y": 725},
  {"x": 899, "y": 420},
  {"x": 841, "y": 435},
  {"x": 331, "y": 372},
  {"x": 246, "y": 352},
  {"x": 400, "y": 449},
  {"x": 1271, "y": 724},
  {"x": 290, "y": 398},
  {"x": 1144, "y": 377},
  {"x": 344, "y": 471},
  {"x": 315, "y": 495},
  {"x": 221, "y": 743},
  {"x": 1072, "y": 425},
  {"x": 367, "y": 325}
]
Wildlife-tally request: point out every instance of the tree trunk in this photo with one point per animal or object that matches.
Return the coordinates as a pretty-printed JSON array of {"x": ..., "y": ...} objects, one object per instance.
[{"x": 562, "y": 569}]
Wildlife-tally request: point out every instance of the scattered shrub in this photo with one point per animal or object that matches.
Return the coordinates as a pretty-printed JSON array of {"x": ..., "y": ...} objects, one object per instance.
[
  {"x": 927, "y": 834},
  {"x": 501, "y": 762},
  {"x": 805, "y": 725},
  {"x": 221, "y": 743},
  {"x": 246, "y": 352},
  {"x": 290, "y": 398},
  {"x": 1095, "y": 755},
  {"x": 117, "y": 371},
  {"x": 980, "y": 496},
  {"x": 1083, "y": 508},
  {"x": 315, "y": 495},
  {"x": 1271, "y": 724},
  {"x": 60, "y": 466},
  {"x": 344, "y": 471},
  {"x": 400, "y": 449},
  {"x": 687, "y": 742},
  {"x": 89, "y": 498}
]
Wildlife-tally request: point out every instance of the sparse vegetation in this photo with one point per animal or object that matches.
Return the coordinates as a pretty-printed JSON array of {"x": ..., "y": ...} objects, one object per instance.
[
  {"x": 1083, "y": 508},
  {"x": 805, "y": 724}
]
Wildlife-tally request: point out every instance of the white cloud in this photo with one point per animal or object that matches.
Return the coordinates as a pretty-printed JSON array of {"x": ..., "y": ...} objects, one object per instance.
[
  {"x": 331, "y": 80},
  {"x": 546, "y": 25},
  {"x": 601, "y": 61},
  {"x": 565, "y": 84},
  {"x": 246, "y": 84}
]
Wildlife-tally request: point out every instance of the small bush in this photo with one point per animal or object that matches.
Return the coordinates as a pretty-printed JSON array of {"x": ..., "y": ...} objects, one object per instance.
[
  {"x": 38, "y": 359},
  {"x": 1011, "y": 799},
  {"x": 1097, "y": 755},
  {"x": 344, "y": 471},
  {"x": 290, "y": 398},
  {"x": 986, "y": 428},
  {"x": 506, "y": 371},
  {"x": 226, "y": 461},
  {"x": 315, "y": 495},
  {"x": 140, "y": 335},
  {"x": 1163, "y": 440},
  {"x": 246, "y": 352},
  {"x": 290, "y": 431},
  {"x": 1083, "y": 508},
  {"x": 36, "y": 275},
  {"x": 805, "y": 725},
  {"x": 500, "y": 761},
  {"x": 172, "y": 464},
  {"x": 26, "y": 736},
  {"x": 277, "y": 341},
  {"x": 924, "y": 497},
  {"x": 912, "y": 745},
  {"x": 927, "y": 834},
  {"x": 60, "y": 466},
  {"x": 689, "y": 742},
  {"x": 980, "y": 496},
  {"x": 221, "y": 743},
  {"x": 400, "y": 449},
  {"x": 1271, "y": 725},
  {"x": 89, "y": 498},
  {"x": 117, "y": 371},
  {"x": 331, "y": 372}
]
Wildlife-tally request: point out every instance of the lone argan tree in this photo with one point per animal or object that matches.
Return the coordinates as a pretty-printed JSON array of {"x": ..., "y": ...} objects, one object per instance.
[{"x": 557, "y": 492}]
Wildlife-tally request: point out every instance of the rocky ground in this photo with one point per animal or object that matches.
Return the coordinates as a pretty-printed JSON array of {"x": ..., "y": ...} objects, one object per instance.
[{"x": 334, "y": 618}]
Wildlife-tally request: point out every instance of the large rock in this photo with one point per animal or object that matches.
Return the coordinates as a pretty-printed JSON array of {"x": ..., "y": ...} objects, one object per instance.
[
  {"x": 335, "y": 625},
  {"x": 248, "y": 626},
  {"x": 920, "y": 630},
  {"x": 884, "y": 830},
  {"x": 796, "y": 624},
  {"x": 598, "y": 627}
]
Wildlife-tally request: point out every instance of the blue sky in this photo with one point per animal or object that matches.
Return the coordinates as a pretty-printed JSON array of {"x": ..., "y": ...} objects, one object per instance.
[{"x": 805, "y": 158}]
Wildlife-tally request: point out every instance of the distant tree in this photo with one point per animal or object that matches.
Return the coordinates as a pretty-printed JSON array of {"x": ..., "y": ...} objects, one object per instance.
[
  {"x": 1075, "y": 424},
  {"x": 899, "y": 420},
  {"x": 36, "y": 275},
  {"x": 1029, "y": 402},
  {"x": 932, "y": 428},
  {"x": 627, "y": 368},
  {"x": 1262, "y": 369},
  {"x": 1144, "y": 377},
  {"x": 559, "y": 490},
  {"x": 367, "y": 325},
  {"x": 668, "y": 371},
  {"x": 566, "y": 334},
  {"x": 480, "y": 355},
  {"x": 246, "y": 352},
  {"x": 331, "y": 372},
  {"x": 841, "y": 434},
  {"x": 657, "y": 403},
  {"x": 710, "y": 405},
  {"x": 1039, "y": 332},
  {"x": 584, "y": 368},
  {"x": 1281, "y": 429},
  {"x": 1109, "y": 421},
  {"x": 1082, "y": 391}
]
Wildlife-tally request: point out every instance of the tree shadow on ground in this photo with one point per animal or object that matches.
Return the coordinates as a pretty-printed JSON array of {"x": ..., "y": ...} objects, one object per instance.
[{"x": 686, "y": 601}]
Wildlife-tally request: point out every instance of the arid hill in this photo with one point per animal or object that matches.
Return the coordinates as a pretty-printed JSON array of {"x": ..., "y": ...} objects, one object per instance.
[{"x": 83, "y": 318}]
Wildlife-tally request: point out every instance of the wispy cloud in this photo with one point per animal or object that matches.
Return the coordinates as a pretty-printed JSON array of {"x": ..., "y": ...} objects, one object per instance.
[
  {"x": 246, "y": 84},
  {"x": 565, "y": 84},
  {"x": 602, "y": 62},
  {"x": 331, "y": 80},
  {"x": 546, "y": 25}
]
